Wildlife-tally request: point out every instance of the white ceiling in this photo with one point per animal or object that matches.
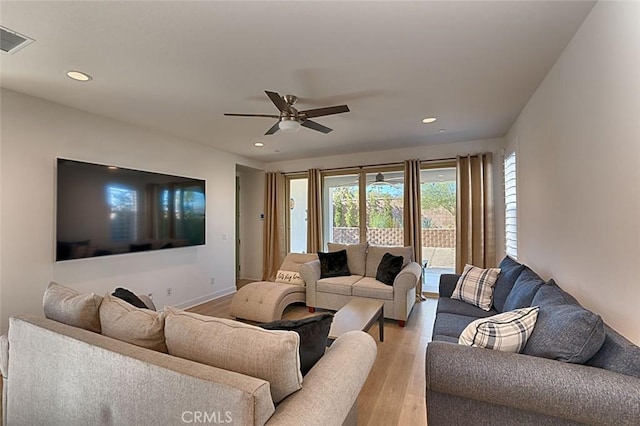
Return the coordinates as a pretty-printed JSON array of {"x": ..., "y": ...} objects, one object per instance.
[{"x": 177, "y": 66}]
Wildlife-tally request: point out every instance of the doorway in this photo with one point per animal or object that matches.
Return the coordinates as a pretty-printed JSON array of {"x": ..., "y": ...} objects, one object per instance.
[{"x": 438, "y": 216}]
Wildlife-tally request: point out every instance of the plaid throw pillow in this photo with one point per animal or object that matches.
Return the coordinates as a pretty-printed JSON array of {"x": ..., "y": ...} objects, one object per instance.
[
  {"x": 475, "y": 286},
  {"x": 507, "y": 332}
]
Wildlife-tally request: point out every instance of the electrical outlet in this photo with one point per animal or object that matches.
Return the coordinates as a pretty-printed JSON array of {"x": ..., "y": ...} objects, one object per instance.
[
  {"x": 168, "y": 291},
  {"x": 213, "y": 281}
]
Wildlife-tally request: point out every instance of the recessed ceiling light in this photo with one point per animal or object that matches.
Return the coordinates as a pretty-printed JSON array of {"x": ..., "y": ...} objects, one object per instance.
[
  {"x": 442, "y": 130},
  {"x": 112, "y": 168},
  {"x": 429, "y": 120},
  {"x": 258, "y": 144},
  {"x": 79, "y": 76}
]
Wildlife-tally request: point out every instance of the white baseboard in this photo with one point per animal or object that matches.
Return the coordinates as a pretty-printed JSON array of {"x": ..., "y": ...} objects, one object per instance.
[{"x": 206, "y": 298}]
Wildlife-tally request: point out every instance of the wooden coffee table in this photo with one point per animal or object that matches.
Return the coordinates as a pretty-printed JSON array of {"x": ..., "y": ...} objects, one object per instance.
[{"x": 358, "y": 314}]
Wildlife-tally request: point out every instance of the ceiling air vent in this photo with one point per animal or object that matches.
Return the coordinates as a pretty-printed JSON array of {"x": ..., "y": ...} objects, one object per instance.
[{"x": 13, "y": 41}]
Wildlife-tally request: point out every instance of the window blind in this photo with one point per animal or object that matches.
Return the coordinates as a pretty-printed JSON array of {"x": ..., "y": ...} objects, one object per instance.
[{"x": 511, "y": 212}]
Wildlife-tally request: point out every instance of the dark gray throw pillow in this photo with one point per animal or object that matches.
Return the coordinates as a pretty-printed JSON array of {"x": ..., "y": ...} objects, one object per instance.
[
  {"x": 333, "y": 264},
  {"x": 389, "y": 268},
  {"x": 523, "y": 291},
  {"x": 313, "y": 332},
  {"x": 510, "y": 270},
  {"x": 129, "y": 297},
  {"x": 565, "y": 331}
]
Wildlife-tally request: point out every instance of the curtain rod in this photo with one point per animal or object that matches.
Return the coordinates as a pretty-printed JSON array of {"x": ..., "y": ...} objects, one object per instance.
[{"x": 335, "y": 169}]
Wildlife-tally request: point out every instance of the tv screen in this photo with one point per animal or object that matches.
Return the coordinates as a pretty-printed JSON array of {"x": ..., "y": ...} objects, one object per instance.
[{"x": 105, "y": 210}]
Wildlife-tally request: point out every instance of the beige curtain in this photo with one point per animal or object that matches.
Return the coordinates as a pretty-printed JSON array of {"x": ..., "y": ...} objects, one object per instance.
[
  {"x": 314, "y": 211},
  {"x": 273, "y": 227},
  {"x": 412, "y": 214},
  {"x": 475, "y": 234}
]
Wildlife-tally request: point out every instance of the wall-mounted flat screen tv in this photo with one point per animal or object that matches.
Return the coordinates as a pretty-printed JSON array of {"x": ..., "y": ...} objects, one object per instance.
[{"x": 106, "y": 210}]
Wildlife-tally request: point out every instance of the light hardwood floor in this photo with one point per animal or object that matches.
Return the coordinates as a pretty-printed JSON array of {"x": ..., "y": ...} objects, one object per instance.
[{"x": 394, "y": 393}]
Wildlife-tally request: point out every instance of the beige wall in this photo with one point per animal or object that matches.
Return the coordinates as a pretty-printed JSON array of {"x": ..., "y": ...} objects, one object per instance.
[
  {"x": 34, "y": 132},
  {"x": 578, "y": 144}
]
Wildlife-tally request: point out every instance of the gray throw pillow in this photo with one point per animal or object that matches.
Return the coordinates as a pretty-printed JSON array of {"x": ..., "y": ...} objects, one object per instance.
[
  {"x": 564, "y": 331},
  {"x": 523, "y": 291},
  {"x": 509, "y": 272}
]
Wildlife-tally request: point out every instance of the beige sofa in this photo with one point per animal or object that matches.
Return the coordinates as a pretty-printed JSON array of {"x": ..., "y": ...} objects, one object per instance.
[
  {"x": 56, "y": 374},
  {"x": 363, "y": 260}
]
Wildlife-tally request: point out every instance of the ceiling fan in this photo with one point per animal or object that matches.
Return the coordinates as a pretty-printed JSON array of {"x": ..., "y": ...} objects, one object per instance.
[{"x": 290, "y": 119}]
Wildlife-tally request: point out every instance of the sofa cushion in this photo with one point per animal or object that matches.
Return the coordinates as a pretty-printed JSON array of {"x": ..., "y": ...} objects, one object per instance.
[
  {"x": 129, "y": 297},
  {"x": 454, "y": 306},
  {"x": 65, "y": 305},
  {"x": 506, "y": 332},
  {"x": 509, "y": 272},
  {"x": 565, "y": 332},
  {"x": 389, "y": 268},
  {"x": 293, "y": 261},
  {"x": 269, "y": 355},
  {"x": 523, "y": 291},
  {"x": 551, "y": 294},
  {"x": 617, "y": 354},
  {"x": 337, "y": 285},
  {"x": 451, "y": 324},
  {"x": 371, "y": 288},
  {"x": 475, "y": 286},
  {"x": 333, "y": 264},
  {"x": 313, "y": 332},
  {"x": 443, "y": 338},
  {"x": 356, "y": 255},
  {"x": 123, "y": 321}
]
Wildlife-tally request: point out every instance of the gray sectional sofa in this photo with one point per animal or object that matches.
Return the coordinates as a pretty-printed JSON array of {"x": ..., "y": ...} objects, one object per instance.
[{"x": 574, "y": 368}]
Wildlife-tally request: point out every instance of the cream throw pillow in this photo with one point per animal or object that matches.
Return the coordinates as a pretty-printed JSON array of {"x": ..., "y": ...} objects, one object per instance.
[
  {"x": 475, "y": 286},
  {"x": 140, "y": 327},
  {"x": 289, "y": 277},
  {"x": 268, "y": 355},
  {"x": 507, "y": 332},
  {"x": 65, "y": 305}
]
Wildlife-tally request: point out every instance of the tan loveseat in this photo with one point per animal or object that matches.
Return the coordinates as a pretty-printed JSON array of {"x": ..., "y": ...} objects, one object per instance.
[
  {"x": 363, "y": 260},
  {"x": 57, "y": 374}
]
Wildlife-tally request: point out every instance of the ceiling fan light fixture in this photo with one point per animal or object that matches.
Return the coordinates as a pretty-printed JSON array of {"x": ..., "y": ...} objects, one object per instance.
[
  {"x": 429, "y": 120},
  {"x": 289, "y": 125}
]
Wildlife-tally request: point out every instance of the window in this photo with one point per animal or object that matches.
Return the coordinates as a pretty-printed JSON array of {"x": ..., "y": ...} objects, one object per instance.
[
  {"x": 341, "y": 209},
  {"x": 510, "y": 215},
  {"x": 364, "y": 206},
  {"x": 385, "y": 208},
  {"x": 297, "y": 217},
  {"x": 123, "y": 203}
]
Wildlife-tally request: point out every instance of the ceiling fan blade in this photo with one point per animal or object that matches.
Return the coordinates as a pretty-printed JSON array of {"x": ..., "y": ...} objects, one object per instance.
[
  {"x": 273, "y": 128},
  {"x": 252, "y": 115},
  {"x": 317, "y": 112},
  {"x": 277, "y": 101},
  {"x": 315, "y": 126}
]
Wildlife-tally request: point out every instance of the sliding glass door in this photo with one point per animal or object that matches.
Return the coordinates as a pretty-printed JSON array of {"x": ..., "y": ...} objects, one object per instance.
[{"x": 438, "y": 206}]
